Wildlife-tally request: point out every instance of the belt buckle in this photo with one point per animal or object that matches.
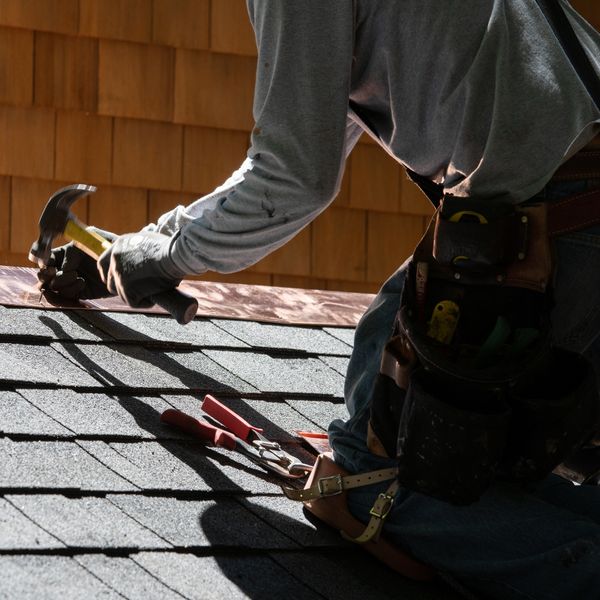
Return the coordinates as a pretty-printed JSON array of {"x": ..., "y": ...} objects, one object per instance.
[
  {"x": 385, "y": 510},
  {"x": 337, "y": 479}
]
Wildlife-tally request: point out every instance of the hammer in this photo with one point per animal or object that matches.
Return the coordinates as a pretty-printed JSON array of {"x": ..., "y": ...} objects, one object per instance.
[{"x": 57, "y": 219}]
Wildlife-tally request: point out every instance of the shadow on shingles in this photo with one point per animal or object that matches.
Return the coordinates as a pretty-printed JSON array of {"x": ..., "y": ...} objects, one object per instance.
[
  {"x": 165, "y": 363},
  {"x": 261, "y": 577},
  {"x": 148, "y": 418},
  {"x": 329, "y": 571}
]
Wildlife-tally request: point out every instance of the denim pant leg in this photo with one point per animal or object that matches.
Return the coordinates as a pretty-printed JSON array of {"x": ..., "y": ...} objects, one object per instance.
[
  {"x": 542, "y": 542},
  {"x": 509, "y": 545}
]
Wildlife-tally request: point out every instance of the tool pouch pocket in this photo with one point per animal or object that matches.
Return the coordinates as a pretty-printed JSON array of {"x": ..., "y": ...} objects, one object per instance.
[
  {"x": 554, "y": 413},
  {"x": 387, "y": 400},
  {"x": 478, "y": 235},
  {"x": 449, "y": 451}
]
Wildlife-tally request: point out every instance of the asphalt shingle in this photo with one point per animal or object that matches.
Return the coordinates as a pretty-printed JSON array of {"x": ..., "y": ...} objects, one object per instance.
[
  {"x": 47, "y": 324},
  {"x": 18, "y": 532},
  {"x": 55, "y": 465},
  {"x": 288, "y": 517},
  {"x": 281, "y": 375},
  {"x": 39, "y": 364},
  {"x": 337, "y": 363},
  {"x": 224, "y": 577},
  {"x": 181, "y": 466},
  {"x": 126, "y": 577},
  {"x": 86, "y": 522},
  {"x": 345, "y": 334},
  {"x": 124, "y": 366},
  {"x": 188, "y": 523},
  {"x": 285, "y": 337},
  {"x": 102, "y": 415},
  {"x": 200, "y": 372},
  {"x": 29, "y": 577},
  {"x": 18, "y": 416},
  {"x": 320, "y": 412},
  {"x": 156, "y": 329}
]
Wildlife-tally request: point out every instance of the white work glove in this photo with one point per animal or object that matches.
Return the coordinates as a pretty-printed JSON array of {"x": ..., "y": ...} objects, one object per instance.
[{"x": 137, "y": 266}]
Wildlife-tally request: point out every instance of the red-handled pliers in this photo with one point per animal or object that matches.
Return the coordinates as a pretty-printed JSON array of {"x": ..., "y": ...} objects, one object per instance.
[{"x": 242, "y": 436}]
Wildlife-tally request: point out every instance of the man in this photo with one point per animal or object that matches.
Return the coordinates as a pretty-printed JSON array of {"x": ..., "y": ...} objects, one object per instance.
[{"x": 475, "y": 95}]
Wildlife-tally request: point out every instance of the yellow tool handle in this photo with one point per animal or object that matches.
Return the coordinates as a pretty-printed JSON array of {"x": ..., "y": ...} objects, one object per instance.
[
  {"x": 181, "y": 306},
  {"x": 88, "y": 241}
]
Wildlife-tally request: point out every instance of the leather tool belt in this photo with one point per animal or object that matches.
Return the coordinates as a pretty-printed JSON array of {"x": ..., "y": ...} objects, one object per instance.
[{"x": 471, "y": 388}]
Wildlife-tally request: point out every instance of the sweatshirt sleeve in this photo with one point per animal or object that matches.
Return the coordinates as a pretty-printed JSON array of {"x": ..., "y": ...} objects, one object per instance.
[{"x": 298, "y": 146}]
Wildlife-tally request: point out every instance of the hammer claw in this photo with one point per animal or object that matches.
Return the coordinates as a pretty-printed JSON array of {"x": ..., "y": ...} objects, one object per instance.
[{"x": 57, "y": 219}]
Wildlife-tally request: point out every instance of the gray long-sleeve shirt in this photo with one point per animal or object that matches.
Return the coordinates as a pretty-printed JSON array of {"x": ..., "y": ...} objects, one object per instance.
[{"x": 476, "y": 94}]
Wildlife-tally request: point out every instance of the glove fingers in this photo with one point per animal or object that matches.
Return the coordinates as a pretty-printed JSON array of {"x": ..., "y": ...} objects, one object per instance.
[
  {"x": 45, "y": 275},
  {"x": 72, "y": 291},
  {"x": 68, "y": 285},
  {"x": 56, "y": 259},
  {"x": 73, "y": 259},
  {"x": 65, "y": 280}
]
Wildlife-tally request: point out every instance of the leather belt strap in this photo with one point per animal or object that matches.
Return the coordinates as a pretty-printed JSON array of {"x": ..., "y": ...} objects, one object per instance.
[
  {"x": 583, "y": 165},
  {"x": 379, "y": 511},
  {"x": 574, "y": 213},
  {"x": 336, "y": 484}
]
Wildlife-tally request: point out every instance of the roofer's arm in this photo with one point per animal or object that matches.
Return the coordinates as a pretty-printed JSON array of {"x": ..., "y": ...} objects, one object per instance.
[{"x": 294, "y": 165}]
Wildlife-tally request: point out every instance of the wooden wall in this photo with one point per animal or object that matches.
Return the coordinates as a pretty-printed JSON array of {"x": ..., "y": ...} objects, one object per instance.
[{"x": 150, "y": 100}]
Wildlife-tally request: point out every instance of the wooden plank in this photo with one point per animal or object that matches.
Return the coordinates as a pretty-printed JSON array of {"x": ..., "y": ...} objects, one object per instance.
[
  {"x": 28, "y": 198},
  {"x": 291, "y": 259},
  {"x": 182, "y": 23},
  {"x": 160, "y": 202},
  {"x": 119, "y": 210},
  {"x": 391, "y": 240},
  {"x": 365, "y": 138},
  {"x": 4, "y": 213},
  {"x": 338, "y": 245},
  {"x": 343, "y": 197},
  {"x": 43, "y": 15},
  {"x": 412, "y": 200},
  {"x": 15, "y": 259},
  {"x": 27, "y": 135},
  {"x": 589, "y": 9},
  {"x": 214, "y": 90},
  {"x": 231, "y": 31},
  {"x": 116, "y": 19},
  {"x": 210, "y": 156},
  {"x": 147, "y": 154},
  {"x": 66, "y": 72},
  {"x": 83, "y": 147},
  {"x": 16, "y": 66},
  {"x": 135, "y": 80},
  {"x": 374, "y": 180}
]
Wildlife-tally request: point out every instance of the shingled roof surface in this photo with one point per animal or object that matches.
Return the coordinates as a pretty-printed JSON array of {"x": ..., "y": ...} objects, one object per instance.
[{"x": 99, "y": 499}]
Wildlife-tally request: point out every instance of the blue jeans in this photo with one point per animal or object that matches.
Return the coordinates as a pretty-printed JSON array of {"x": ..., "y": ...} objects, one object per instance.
[{"x": 539, "y": 542}]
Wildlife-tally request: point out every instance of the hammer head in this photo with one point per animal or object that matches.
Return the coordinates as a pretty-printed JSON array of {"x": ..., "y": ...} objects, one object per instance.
[{"x": 54, "y": 219}]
